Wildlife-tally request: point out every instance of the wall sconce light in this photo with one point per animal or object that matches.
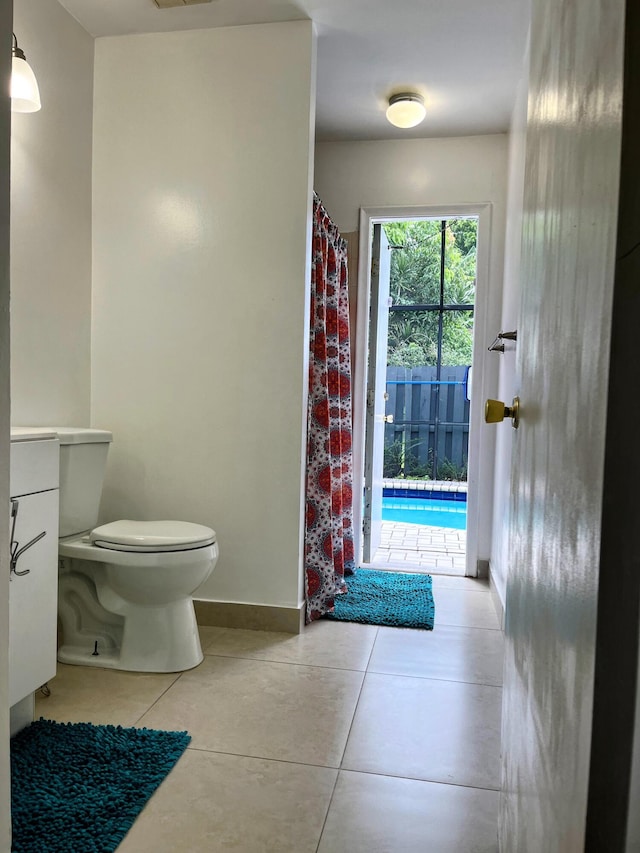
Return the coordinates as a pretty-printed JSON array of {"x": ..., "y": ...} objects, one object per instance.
[
  {"x": 406, "y": 109},
  {"x": 25, "y": 96}
]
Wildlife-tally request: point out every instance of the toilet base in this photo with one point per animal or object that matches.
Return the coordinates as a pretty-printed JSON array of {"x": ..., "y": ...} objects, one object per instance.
[
  {"x": 127, "y": 636},
  {"x": 82, "y": 655},
  {"x": 76, "y": 656}
]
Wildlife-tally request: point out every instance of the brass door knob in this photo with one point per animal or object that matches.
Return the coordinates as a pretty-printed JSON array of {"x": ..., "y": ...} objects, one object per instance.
[{"x": 495, "y": 411}]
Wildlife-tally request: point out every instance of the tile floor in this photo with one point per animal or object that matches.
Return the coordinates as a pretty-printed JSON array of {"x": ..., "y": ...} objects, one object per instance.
[
  {"x": 421, "y": 549},
  {"x": 345, "y": 739}
]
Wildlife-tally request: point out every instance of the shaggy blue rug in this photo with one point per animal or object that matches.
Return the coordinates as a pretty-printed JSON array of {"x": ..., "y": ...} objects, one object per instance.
[
  {"x": 398, "y": 599},
  {"x": 78, "y": 788}
]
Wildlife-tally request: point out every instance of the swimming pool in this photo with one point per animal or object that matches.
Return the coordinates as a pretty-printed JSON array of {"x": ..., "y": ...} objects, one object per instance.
[{"x": 426, "y": 511}]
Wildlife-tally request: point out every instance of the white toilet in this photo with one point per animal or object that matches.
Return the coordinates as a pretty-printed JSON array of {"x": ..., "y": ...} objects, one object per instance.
[{"x": 125, "y": 587}]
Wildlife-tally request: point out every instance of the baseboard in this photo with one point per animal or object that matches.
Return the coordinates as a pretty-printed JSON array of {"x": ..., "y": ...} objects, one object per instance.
[
  {"x": 497, "y": 601},
  {"x": 255, "y": 617},
  {"x": 482, "y": 569}
]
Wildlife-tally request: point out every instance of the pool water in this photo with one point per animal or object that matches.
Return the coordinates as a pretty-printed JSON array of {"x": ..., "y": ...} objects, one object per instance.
[{"x": 426, "y": 511}]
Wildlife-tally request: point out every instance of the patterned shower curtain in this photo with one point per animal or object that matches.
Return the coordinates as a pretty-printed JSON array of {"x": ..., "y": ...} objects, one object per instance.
[{"x": 329, "y": 553}]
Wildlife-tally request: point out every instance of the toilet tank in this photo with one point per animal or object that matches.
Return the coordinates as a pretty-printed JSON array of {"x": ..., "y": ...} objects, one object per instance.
[{"x": 83, "y": 461}]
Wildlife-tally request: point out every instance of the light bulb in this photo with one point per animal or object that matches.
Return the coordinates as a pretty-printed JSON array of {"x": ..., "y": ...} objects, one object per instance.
[
  {"x": 406, "y": 110},
  {"x": 25, "y": 96}
]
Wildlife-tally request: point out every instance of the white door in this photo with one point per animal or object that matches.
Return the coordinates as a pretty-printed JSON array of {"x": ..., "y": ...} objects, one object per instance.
[
  {"x": 568, "y": 256},
  {"x": 376, "y": 393}
]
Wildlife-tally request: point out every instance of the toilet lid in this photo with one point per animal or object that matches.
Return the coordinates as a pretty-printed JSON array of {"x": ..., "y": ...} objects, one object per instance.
[{"x": 152, "y": 536}]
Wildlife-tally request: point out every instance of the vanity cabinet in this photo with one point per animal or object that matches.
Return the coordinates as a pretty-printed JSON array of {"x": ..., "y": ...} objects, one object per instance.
[{"x": 33, "y": 587}]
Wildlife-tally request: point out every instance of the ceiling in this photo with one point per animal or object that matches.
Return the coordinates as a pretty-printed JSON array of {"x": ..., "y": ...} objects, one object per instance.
[{"x": 463, "y": 56}]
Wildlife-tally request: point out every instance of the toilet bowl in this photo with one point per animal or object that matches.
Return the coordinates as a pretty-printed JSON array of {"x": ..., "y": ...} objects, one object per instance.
[
  {"x": 125, "y": 588},
  {"x": 132, "y": 609}
]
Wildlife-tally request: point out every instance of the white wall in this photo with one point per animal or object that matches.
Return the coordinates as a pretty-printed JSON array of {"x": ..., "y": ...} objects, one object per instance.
[
  {"x": 510, "y": 311},
  {"x": 464, "y": 170},
  {"x": 51, "y": 223},
  {"x": 5, "y": 129},
  {"x": 202, "y": 200}
]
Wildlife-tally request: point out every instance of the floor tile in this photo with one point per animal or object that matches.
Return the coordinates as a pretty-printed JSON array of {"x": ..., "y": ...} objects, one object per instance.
[
  {"x": 461, "y": 583},
  {"x": 428, "y": 710},
  {"x": 262, "y": 709},
  {"x": 439, "y": 731},
  {"x": 469, "y": 609},
  {"x": 448, "y": 652},
  {"x": 215, "y": 802},
  {"x": 386, "y": 815},
  {"x": 89, "y": 694},
  {"x": 323, "y": 643}
]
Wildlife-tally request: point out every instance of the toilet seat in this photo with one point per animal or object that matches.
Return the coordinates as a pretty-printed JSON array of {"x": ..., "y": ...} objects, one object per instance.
[{"x": 152, "y": 536}]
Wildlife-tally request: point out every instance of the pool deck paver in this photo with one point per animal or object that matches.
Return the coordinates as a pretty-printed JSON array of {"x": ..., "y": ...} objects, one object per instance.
[
  {"x": 426, "y": 485},
  {"x": 426, "y": 550},
  {"x": 421, "y": 549}
]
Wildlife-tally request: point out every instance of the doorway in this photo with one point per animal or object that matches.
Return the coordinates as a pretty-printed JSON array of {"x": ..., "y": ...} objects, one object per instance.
[{"x": 423, "y": 279}]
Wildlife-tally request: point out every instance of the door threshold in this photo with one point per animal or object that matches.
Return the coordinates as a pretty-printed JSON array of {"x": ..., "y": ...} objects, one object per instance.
[{"x": 414, "y": 568}]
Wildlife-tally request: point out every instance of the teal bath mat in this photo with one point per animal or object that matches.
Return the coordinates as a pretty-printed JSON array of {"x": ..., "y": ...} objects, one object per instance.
[
  {"x": 386, "y": 598},
  {"x": 78, "y": 788}
]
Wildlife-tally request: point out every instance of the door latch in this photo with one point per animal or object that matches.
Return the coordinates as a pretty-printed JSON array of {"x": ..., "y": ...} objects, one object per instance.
[{"x": 495, "y": 411}]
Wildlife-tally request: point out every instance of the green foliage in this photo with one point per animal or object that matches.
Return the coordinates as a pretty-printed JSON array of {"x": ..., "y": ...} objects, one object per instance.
[
  {"x": 415, "y": 268},
  {"x": 406, "y": 354},
  {"x": 465, "y": 234},
  {"x": 448, "y": 470},
  {"x": 413, "y": 340},
  {"x": 401, "y": 464},
  {"x": 415, "y": 280},
  {"x": 457, "y": 338},
  {"x": 393, "y": 464}
]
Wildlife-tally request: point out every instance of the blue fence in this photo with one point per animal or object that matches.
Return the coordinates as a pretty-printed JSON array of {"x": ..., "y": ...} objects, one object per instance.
[{"x": 429, "y": 435}]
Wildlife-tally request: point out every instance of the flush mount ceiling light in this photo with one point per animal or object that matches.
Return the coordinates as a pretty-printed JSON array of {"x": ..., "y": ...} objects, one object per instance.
[
  {"x": 171, "y": 4},
  {"x": 25, "y": 96},
  {"x": 406, "y": 109}
]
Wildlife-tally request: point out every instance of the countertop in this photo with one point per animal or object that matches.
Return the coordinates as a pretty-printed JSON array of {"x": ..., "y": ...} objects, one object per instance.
[{"x": 31, "y": 434}]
